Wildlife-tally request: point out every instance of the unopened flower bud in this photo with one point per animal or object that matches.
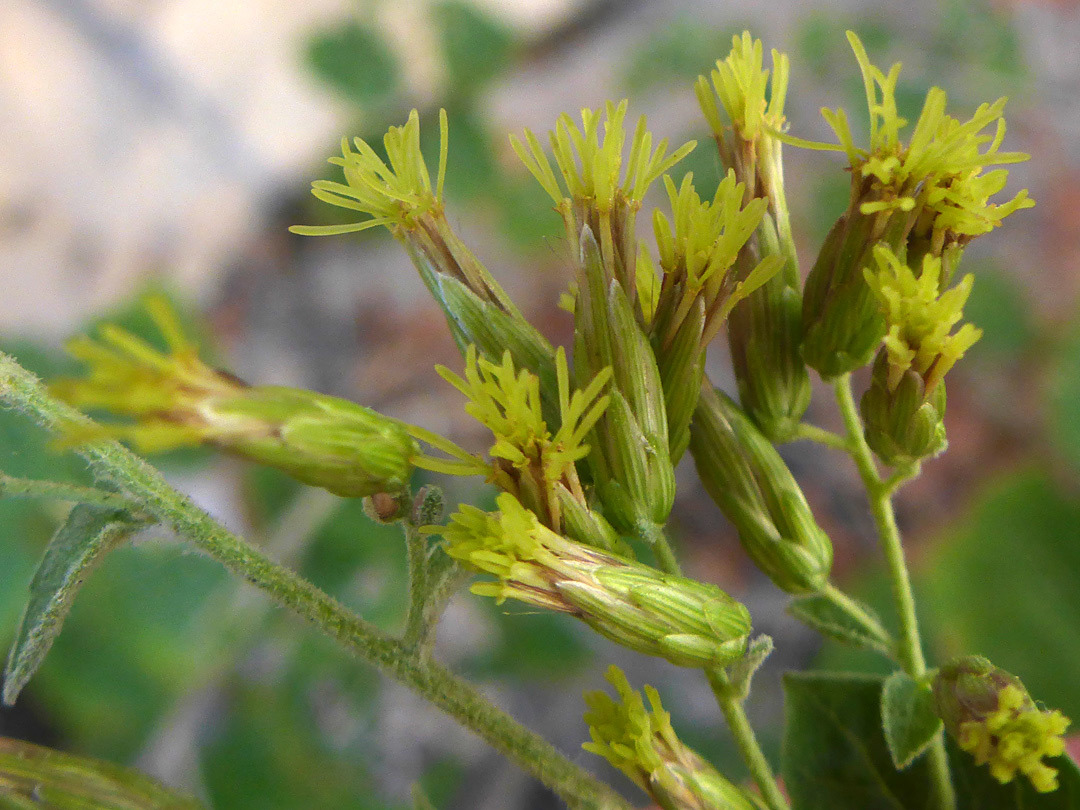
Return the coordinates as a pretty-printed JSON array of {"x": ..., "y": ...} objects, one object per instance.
[
  {"x": 179, "y": 401},
  {"x": 994, "y": 719},
  {"x": 902, "y": 424},
  {"x": 754, "y": 488},
  {"x": 641, "y": 742},
  {"x": 689, "y": 623},
  {"x": 630, "y": 460}
]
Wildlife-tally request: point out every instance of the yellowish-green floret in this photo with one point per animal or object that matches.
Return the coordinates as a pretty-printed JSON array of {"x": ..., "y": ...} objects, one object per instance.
[{"x": 920, "y": 317}]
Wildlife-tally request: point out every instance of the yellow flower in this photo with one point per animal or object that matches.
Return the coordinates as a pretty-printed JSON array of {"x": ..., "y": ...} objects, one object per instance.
[{"x": 394, "y": 194}]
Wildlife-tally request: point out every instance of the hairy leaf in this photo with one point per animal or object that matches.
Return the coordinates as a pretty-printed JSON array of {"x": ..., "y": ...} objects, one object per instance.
[
  {"x": 79, "y": 544},
  {"x": 856, "y": 625},
  {"x": 907, "y": 718}
]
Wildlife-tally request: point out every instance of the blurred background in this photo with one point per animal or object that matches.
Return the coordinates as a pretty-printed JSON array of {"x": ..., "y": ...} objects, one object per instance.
[{"x": 168, "y": 144}]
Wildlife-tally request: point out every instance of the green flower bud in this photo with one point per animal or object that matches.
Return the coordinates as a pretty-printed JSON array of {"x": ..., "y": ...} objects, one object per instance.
[
  {"x": 689, "y": 623},
  {"x": 903, "y": 424},
  {"x": 749, "y": 481},
  {"x": 178, "y": 401},
  {"x": 992, "y": 717},
  {"x": 764, "y": 329},
  {"x": 630, "y": 461},
  {"x": 764, "y": 333},
  {"x": 641, "y": 743}
]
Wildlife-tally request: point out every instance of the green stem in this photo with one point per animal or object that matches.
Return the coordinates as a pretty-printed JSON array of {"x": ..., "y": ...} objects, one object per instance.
[
  {"x": 29, "y": 488},
  {"x": 751, "y": 752},
  {"x": 416, "y": 628},
  {"x": 453, "y": 695},
  {"x": 726, "y": 697},
  {"x": 656, "y": 538},
  {"x": 813, "y": 433},
  {"x": 899, "y": 477},
  {"x": 909, "y": 645}
]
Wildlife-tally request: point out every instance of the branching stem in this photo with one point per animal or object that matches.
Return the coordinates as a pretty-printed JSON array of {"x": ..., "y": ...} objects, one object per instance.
[
  {"x": 752, "y": 755},
  {"x": 143, "y": 484},
  {"x": 880, "y": 493}
]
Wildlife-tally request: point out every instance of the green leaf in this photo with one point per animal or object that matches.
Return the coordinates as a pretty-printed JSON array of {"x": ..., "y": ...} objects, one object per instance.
[
  {"x": 835, "y": 754},
  {"x": 39, "y": 778},
  {"x": 908, "y": 718},
  {"x": 78, "y": 545},
  {"x": 477, "y": 46},
  {"x": 853, "y": 624},
  {"x": 1002, "y": 582},
  {"x": 354, "y": 60}
]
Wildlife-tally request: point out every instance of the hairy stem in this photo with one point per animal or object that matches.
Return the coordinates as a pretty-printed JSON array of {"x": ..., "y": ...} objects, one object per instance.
[
  {"x": 416, "y": 628},
  {"x": 879, "y": 493},
  {"x": 657, "y": 540},
  {"x": 751, "y": 752},
  {"x": 133, "y": 476}
]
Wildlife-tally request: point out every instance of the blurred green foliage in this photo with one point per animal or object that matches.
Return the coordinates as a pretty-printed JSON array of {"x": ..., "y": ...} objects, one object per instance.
[{"x": 353, "y": 59}]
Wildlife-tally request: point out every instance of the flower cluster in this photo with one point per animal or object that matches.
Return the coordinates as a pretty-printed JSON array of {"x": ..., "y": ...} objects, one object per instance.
[
  {"x": 994, "y": 719},
  {"x": 919, "y": 317},
  {"x": 904, "y": 406},
  {"x": 528, "y": 460},
  {"x": 929, "y": 196}
]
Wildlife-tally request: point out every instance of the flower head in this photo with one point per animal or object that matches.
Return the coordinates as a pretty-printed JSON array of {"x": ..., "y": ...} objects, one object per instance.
[
  {"x": 939, "y": 171},
  {"x": 640, "y": 741},
  {"x": 598, "y": 190},
  {"x": 528, "y": 459},
  {"x": 689, "y": 623},
  {"x": 920, "y": 317},
  {"x": 177, "y": 400},
  {"x": 995, "y": 720},
  {"x": 391, "y": 194},
  {"x": 697, "y": 253}
]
